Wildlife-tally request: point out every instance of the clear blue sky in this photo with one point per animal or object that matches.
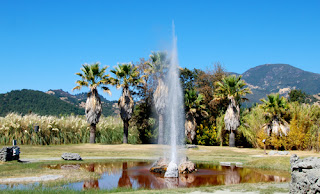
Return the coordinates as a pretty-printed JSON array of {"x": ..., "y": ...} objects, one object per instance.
[{"x": 44, "y": 43}]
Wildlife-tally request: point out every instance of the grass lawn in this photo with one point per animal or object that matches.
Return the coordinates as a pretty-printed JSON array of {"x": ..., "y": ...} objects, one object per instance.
[{"x": 40, "y": 155}]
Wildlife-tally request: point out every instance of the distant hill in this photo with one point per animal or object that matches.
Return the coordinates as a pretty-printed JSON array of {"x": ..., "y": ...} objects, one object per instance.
[
  {"x": 279, "y": 78},
  {"x": 26, "y": 101},
  {"x": 52, "y": 102},
  {"x": 79, "y": 100}
]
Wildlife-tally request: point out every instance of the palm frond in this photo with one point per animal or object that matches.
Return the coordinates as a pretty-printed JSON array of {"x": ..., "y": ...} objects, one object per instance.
[
  {"x": 92, "y": 76},
  {"x": 77, "y": 88}
]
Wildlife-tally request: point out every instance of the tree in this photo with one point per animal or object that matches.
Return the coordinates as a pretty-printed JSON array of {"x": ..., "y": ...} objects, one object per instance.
[
  {"x": 158, "y": 66},
  {"x": 275, "y": 109},
  {"x": 297, "y": 96},
  {"x": 301, "y": 97},
  {"x": 93, "y": 76},
  {"x": 187, "y": 78},
  {"x": 205, "y": 84},
  {"x": 194, "y": 108},
  {"x": 126, "y": 75},
  {"x": 233, "y": 88},
  {"x": 143, "y": 117}
]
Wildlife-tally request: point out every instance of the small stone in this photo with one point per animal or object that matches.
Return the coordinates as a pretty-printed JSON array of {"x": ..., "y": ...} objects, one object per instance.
[
  {"x": 191, "y": 146},
  {"x": 283, "y": 152},
  {"x": 71, "y": 156},
  {"x": 271, "y": 153},
  {"x": 225, "y": 163}
]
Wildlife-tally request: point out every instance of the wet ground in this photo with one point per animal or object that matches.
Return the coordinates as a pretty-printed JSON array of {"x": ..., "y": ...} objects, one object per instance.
[{"x": 137, "y": 175}]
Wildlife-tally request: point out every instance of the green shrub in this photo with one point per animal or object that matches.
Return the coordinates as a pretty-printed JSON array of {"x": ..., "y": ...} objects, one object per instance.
[{"x": 206, "y": 135}]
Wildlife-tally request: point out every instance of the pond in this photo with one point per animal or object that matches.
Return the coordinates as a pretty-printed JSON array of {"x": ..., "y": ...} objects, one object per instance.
[{"x": 136, "y": 175}]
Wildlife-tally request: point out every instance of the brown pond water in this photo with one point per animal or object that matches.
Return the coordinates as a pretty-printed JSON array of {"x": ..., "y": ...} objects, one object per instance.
[{"x": 137, "y": 175}]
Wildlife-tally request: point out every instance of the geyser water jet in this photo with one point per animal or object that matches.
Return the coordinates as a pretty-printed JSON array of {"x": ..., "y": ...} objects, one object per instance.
[{"x": 175, "y": 110}]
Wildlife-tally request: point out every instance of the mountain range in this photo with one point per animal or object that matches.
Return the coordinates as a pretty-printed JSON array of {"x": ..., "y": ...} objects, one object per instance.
[
  {"x": 279, "y": 78},
  {"x": 262, "y": 80}
]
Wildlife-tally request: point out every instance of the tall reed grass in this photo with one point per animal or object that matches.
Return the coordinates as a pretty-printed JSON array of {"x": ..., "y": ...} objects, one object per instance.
[{"x": 60, "y": 130}]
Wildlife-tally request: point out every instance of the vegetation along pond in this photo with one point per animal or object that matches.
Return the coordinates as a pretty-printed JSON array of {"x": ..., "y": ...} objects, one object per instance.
[{"x": 137, "y": 175}]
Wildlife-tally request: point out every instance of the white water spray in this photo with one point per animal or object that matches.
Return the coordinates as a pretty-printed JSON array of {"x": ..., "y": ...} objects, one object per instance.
[{"x": 175, "y": 106}]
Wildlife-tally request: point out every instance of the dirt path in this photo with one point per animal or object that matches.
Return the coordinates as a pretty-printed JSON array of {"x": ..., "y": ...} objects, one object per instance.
[
  {"x": 31, "y": 179},
  {"x": 88, "y": 158}
]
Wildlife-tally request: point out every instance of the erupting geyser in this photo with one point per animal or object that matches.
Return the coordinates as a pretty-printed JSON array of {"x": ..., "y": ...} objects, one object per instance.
[
  {"x": 175, "y": 161},
  {"x": 175, "y": 111}
]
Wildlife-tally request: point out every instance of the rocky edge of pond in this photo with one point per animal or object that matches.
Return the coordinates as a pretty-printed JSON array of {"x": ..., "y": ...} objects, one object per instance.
[
  {"x": 185, "y": 166},
  {"x": 305, "y": 175}
]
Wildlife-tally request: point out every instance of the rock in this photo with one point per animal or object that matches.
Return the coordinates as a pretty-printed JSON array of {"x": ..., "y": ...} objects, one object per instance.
[
  {"x": 225, "y": 163},
  {"x": 271, "y": 153},
  {"x": 232, "y": 164},
  {"x": 283, "y": 152},
  {"x": 186, "y": 166},
  {"x": 160, "y": 166},
  {"x": 172, "y": 171},
  {"x": 9, "y": 153},
  {"x": 305, "y": 175},
  {"x": 71, "y": 156},
  {"x": 191, "y": 146},
  {"x": 293, "y": 159}
]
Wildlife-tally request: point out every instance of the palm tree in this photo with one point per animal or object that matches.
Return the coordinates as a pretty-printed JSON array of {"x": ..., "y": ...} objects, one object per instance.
[
  {"x": 93, "y": 76},
  {"x": 275, "y": 108},
  {"x": 158, "y": 66},
  {"x": 126, "y": 75},
  {"x": 194, "y": 108},
  {"x": 233, "y": 88}
]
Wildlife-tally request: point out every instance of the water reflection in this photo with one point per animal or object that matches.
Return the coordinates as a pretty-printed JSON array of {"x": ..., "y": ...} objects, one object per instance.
[
  {"x": 137, "y": 175},
  {"x": 232, "y": 176},
  {"x": 90, "y": 184},
  {"x": 124, "y": 180}
]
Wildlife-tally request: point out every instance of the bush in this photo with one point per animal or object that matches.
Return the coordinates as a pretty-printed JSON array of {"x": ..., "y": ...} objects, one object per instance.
[
  {"x": 206, "y": 135},
  {"x": 303, "y": 134},
  {"x": 251, "y": 125}
]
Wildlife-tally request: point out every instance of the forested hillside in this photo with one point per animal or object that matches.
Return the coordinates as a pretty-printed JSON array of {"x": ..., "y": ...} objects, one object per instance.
[
  {"x": 79, "y": 100},
  {"x": 53, "y": 102},
  {"x": 26, "y": 101}
]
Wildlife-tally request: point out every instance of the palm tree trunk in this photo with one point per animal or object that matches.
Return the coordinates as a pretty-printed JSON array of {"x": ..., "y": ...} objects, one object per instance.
[
  {"x": 232, "y": 139},
  {"x": 160, "y": 136},
  {"x": 221, "y": 137},
  {"x": 93, "y": 133},
  {"x": 125, "y": 131}
]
